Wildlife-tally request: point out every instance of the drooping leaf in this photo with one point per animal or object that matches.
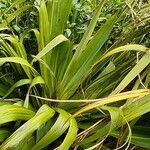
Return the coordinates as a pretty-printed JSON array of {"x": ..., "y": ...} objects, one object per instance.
[
  {"x": 17, "y": 60},
  {"x": 35, "y": 81},
  {"x": 113, "y": 98},
  {"x": 17, "y": 84},
  {"x": 56, "y": 41},
  {"x": 10, "y": 113},
  {"x": 17, "y": 139},
  {"x": 54, "y": 132}
]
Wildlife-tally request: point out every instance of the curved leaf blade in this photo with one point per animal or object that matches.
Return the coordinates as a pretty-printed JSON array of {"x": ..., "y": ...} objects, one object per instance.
[
  {"x": 10, "y": 113},
  {"x": 16, "y": 140}
]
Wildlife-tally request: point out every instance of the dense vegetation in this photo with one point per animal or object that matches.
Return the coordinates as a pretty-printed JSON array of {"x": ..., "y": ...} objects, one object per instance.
[{"x": 75, "y": 74}]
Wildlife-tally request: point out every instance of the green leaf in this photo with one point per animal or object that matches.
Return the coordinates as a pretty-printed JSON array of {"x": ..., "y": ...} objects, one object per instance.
[
  {"x": 17, "y": 84},
  {"x": 42, "y": 62},
  {"x": 129, "y": 47},
  {"x": 138, "y": 68},
  {"x": 9, "y": 113},
  {"x": 35, "y": 81},
  {"x": 37, "y": 35},
  {"x": 59, "y": 127},
  {"x": 16, "y": 140},
  {"x": 17, "y": 60},
  {"x": 79, "y": 67},
  {"x": 140, "y": 136},
  {"x": 29, "y": 143},
  {"x": 87, "y": 35},
  {"x": 109, "y": 68},
  {"x": 137, "y": 108},
  {"x": 4, "y": 133},
  {"x": 13, "y": 16},
  {"x": 56, "y": 41},
  {"x": 71, "y": 135},
  {"x": 113, "y": 98}
]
